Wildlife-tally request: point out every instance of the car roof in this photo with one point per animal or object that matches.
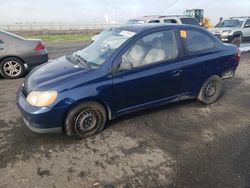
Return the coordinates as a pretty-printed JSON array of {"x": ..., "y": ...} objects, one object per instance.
[
  {"x": 151, "y": 17},
  {"x": 241, "y": 17},
  {"x": 138, "y": 28}
]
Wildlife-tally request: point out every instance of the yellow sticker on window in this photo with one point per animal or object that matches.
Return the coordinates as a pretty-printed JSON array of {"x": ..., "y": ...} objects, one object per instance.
[{"x": 183, "y": 34}]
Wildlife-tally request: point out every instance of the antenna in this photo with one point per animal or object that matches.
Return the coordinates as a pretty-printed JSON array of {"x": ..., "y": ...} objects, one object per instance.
[{"x": 168, "y": 6}]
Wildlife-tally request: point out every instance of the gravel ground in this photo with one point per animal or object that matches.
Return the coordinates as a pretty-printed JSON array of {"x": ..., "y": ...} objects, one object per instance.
[{"x": 184, "y": 144}]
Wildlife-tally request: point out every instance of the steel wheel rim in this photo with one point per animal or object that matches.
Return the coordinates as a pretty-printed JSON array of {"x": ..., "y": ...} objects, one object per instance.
[
  {"x": 210, "y": 89},
  {"x": 87, "y": 121},
  {"x": 12, "y": 68}
]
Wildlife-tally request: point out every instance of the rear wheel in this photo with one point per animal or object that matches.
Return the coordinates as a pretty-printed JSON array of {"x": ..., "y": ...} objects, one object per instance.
[
  {"x": 12, "y": 68},
  {"x": 85, "y": 120},
  {"x": 210, "y": 90}
]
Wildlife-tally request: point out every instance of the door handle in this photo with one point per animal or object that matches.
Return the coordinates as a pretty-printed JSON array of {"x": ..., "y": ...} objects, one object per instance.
[{"x": 176, "y": 73}]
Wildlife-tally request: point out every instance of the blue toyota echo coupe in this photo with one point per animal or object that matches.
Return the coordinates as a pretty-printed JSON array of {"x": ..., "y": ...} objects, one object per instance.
[{"x": 126, "y": 69}]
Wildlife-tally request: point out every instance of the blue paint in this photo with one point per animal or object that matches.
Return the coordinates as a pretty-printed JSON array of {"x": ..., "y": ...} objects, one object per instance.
[{"x": 124, "y": 92}]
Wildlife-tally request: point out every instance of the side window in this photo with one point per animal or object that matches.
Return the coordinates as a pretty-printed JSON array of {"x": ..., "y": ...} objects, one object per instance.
[
  {"x": 247, "y": 24},
  {"x": 196, "y": 41},
  {"x": 154, "y": 21},
  {"x": 1, "y": 42},
  {"x": 153, "y": 48},
  {"x": 190, "y": 21},
  {"x": 170, "y": 21}
]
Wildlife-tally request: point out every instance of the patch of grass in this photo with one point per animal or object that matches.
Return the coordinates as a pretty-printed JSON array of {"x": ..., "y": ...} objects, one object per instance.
[{"x": 62, "y": 37}]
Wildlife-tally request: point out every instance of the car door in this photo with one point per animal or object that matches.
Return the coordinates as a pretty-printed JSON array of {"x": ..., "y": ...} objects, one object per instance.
[
  {"x": 246, "y": 29},
  {"x": 152, "y": 77},
  {"x": 202, "y": 59},
  {"x": 3, "y": 47}
]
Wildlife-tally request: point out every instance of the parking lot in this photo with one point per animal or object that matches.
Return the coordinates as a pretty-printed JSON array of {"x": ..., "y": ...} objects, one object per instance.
[{"x": 185, "y": 144}]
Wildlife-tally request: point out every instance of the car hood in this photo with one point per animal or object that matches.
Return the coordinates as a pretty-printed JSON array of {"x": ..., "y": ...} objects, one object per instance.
[
  {"x": 218, "y": 30},
  {"x": 55, "y": 74}
]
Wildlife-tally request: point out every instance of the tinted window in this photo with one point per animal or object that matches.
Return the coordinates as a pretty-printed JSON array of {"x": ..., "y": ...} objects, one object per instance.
[
  {"x": 156, "y": 47},
  {"x": 154, "y": 21},
  {"x": 190, "y": 21},
  {"x": 170, "y": 21},
  {"x": 247, "y": 22},
  {"x": 196, "y": 41},
  {"x": 1, "y": 42}
]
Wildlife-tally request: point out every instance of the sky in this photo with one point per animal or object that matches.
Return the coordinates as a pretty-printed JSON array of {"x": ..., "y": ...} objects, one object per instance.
[{"x": 97, "y": 11}]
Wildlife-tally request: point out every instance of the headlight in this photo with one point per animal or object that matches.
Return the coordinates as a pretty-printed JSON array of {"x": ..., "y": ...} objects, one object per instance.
[
  {"x": 41, "y": 98},
  {"x": 225, "y": 32}
]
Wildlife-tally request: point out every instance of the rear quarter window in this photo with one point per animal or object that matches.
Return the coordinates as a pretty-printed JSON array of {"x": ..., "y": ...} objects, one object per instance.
[
  {"x": 190, "y": 21},
  {"x": 196, "y": 41},
  {"x": 170, "y": 21}
]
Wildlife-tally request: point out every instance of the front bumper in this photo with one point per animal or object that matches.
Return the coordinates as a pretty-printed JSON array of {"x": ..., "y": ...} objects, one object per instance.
[
  {"x": 40, "y": 120},
  {"x": 225, "y": 38},
  {"x": 41, "y": 130}
]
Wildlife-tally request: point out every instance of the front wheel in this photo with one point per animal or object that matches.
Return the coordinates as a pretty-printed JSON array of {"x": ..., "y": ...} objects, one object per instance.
[
  {"x": 236, "y": 41},
  {"x": 85, "y": 120},
  {"x": 210, "y": 90}
]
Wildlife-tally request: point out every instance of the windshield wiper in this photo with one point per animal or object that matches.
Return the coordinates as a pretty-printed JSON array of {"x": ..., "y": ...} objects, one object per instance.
[{"x": 84, "y": 61}]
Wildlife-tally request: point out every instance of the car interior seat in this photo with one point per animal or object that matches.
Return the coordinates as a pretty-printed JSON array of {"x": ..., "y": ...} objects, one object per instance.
[
  {"x": 156, "y": 53},
  {"x": 136, "y": 55}
]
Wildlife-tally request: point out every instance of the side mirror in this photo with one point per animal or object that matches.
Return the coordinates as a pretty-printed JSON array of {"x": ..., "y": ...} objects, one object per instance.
[
  {"x": 125, "y": 66},
  {"x": 247, "y": 26}
]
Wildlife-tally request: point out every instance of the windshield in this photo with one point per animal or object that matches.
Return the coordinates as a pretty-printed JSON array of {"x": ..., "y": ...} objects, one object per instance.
[
  {"x": 100, "y": 50},
  {"x": 230, "y": 23}
]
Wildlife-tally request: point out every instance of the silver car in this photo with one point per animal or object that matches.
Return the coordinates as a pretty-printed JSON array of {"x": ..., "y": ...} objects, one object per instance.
[
  {"x": 18, "y": 54},
  {"x": 175, "y": 19},
  {"x": 233, "y": 30}
]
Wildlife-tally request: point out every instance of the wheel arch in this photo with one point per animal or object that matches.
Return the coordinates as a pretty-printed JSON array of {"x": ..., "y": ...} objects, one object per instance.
[
  {"x": 91, "y": 99},
  {"x": 209, "y": 76},
  {"x": 12, "y": 56},
  {"x": 238, "y": 34}
]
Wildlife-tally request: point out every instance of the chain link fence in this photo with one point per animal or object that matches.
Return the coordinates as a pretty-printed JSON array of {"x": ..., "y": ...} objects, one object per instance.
[{"x": 55, "y": 28}]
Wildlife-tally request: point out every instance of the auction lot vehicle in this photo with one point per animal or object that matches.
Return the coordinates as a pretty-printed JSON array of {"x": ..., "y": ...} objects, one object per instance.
[
  {"x": 174, "y": 19},
  {"x": 199, "y": 15},
  {"x": 233, "y": 30},
  {"x": 18, "y": 54},
  {"x": 177, "y": 19},
  {"x": 128, "y": 69}
]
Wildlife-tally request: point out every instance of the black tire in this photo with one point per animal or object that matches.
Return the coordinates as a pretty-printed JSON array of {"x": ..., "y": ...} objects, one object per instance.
[
  {"x": 85, "y": 120},
  {"x": 210, "y": 90},
  {"x": 236, "y": 41},
  {"x": 12, "y": 68}
]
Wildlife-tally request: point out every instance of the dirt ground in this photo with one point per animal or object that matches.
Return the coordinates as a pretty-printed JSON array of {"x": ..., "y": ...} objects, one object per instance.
[{"x": 185, "y": 144}]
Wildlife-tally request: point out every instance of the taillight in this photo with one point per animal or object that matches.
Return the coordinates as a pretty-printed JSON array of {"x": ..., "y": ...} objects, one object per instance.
[
  {"x": 237, "y": 56},
  {"x": 39, "y": 46}
]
